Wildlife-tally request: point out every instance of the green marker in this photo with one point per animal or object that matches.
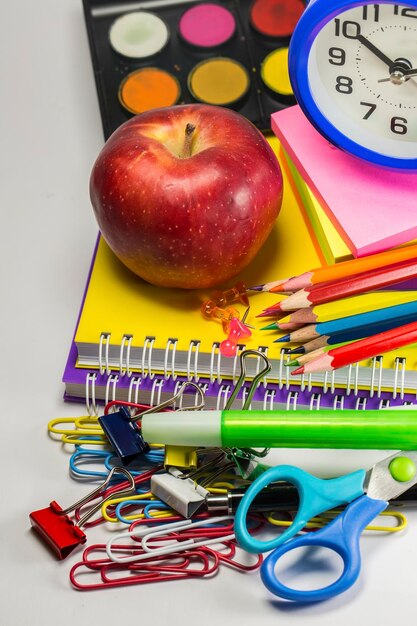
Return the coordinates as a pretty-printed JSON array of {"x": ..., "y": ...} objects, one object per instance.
[{"x": 379, "y": 430}]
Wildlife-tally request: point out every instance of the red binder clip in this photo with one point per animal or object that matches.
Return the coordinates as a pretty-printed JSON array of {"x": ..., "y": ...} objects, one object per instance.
[{"x": 59, "y": 531}]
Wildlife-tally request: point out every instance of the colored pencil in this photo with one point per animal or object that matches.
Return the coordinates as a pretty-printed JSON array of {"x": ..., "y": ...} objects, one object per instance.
[
  {"x": 396, "y": 315},
  {"x": 345, "y": 307},
  {"x": 344, "y": 269},
  {"x": 351, "y": 334},
  {"x": 268, "y": 286},
  {"x": 361, "y": 350},
  {"x": 351, "y": 286}
]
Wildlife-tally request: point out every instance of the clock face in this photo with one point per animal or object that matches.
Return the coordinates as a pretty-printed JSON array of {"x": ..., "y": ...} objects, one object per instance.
[{"x": 357, "y": 70}]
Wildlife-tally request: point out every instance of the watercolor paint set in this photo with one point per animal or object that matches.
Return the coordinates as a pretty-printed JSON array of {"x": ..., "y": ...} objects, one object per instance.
[{"x": 159, "y": 53}]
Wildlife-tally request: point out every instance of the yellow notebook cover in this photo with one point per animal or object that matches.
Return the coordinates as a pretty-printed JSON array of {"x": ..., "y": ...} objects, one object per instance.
[{"x": 126, "y": 322}]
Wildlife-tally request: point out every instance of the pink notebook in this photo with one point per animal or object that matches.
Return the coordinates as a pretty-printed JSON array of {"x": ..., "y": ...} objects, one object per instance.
[{"x": 372, "y": 208}]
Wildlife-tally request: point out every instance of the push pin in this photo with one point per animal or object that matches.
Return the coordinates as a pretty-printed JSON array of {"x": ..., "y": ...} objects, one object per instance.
[
  {"x": 238, "y": 293},
  {"x": 59, "y": 531},
  {"x": 237, "y": 330},
  {"x": 210, "y": 310}
]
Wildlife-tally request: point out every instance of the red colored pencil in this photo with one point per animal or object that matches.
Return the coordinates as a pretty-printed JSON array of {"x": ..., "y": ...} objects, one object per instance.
[
  {"x": 361, "y": 350},
  {"x": 351, "y": 286}
]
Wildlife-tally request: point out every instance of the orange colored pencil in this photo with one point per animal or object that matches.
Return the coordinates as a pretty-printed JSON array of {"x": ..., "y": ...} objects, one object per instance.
[
  {"x": 350, "y": 286},
  {"x": 341, "y": 270}
]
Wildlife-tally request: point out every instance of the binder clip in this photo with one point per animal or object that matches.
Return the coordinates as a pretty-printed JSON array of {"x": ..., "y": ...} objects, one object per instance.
[
  {"x": 59, "y": 531},
  {"x": 124, "y": 436},
  {"x": 123, "y": 432},
  {"x": 181, "y": 492}
]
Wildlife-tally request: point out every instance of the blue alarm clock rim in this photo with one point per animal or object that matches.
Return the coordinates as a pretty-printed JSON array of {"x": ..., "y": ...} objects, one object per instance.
[{"x": 317, "y": 14}]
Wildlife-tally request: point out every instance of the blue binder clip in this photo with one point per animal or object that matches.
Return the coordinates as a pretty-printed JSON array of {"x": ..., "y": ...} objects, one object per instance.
[{"x": 124, "y": 434}]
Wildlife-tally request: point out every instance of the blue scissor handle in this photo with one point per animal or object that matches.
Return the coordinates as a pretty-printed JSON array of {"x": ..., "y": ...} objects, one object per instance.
[
  {"x": 316, "y": 495},
  {"x": 341, "y": 535}
]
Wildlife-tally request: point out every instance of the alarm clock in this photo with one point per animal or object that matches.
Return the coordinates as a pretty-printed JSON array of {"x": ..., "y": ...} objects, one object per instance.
[{"x": 353, "y": 68}]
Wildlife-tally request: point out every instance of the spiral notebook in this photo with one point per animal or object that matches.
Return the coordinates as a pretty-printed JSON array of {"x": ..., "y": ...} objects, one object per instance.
[
  {"x": 128, "y": 327},
  {"x": 97, "y": 389}
]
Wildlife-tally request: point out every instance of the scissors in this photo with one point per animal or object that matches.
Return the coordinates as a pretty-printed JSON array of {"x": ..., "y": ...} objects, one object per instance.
[{"x": 365, "y": 492}]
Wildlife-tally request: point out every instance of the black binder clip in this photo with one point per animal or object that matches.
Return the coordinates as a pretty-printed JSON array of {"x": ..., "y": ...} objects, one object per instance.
[
  {"x": 59, "y": 531},
  {"x": 123, "y": 431},
  {"x": 124, "y": 436}
]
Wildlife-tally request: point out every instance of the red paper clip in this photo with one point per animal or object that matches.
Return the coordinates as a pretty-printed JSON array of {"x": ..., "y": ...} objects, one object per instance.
[{"x": 59, "y": 531}]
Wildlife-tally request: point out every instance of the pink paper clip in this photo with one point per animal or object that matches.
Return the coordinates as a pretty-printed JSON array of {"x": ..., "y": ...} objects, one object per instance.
[{"x": 59, "y": 531}]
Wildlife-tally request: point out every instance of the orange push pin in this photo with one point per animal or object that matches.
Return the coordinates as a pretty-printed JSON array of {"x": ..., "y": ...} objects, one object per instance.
[
  {"x": 210, "y": 310},
  {"x": 238, "y": 293},
  {"x": 237, "y": 330}
]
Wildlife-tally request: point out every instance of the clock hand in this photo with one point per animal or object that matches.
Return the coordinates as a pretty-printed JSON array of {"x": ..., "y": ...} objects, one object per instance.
[
  {"x": 376, "y": 51},
  {"x": 398, "y": 77}
]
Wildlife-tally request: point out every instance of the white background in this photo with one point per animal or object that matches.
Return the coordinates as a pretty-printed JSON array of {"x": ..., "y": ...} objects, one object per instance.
[{"x": 50, "y": 135}]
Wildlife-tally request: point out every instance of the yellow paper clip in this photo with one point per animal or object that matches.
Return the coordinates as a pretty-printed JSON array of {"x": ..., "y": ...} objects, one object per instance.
[{"x": 324, "y": 518}]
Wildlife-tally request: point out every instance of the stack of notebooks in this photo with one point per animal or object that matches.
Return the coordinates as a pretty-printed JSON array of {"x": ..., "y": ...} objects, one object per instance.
[
  {"x": 134, "y": 341},
  {"x": 354, "y": 208}
]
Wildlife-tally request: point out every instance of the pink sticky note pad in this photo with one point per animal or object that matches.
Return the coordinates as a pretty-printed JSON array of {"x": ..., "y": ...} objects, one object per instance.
[{"x": 373, "y": 208}]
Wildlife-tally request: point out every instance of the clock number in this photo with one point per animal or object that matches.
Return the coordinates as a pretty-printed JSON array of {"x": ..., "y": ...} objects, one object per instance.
[
  {"x": 404, "y": 12},
  {"x": 372, "y": 108},
  {"x": 350, "y": 30},
  {"x": 337, "y": 56},
  {"x": 344, "y": 84},
  {"x": 367, "y": 11},
  {"x": 398, "y": 125}
]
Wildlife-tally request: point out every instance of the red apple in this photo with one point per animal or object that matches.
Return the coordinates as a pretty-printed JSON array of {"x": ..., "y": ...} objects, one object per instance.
[{"x": 185, "y": 196}]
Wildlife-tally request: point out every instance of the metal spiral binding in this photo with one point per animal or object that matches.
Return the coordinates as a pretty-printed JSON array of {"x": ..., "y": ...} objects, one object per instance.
[
  {"x": 269, "y": 398},
  {"x": 222, "y": 397},
  {"x": 215, "y": 351},
  {"x": 111, "y": 384},
  {"x": 292, "y": 400},
  {"x": 193, "y": 349},
  {"x": 315, "y": 399},
  {"x": 135, "y": 382},
  {"x": 90, "y": 385},
  {"x": 147, "y": 346},
  {"x": 400, "y": 362},
  {"x": 170, "y": 348},
  {"x": 104, "y": 341},
  {"x": 376, "y": 365},
  {"x": 127, "y": 339},
  {"x": 361, "y": 403},
  {"x": 338, "y": 402}
]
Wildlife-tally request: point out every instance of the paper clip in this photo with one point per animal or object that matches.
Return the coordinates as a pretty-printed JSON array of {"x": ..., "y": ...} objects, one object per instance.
[
  {"x": 195, "y": 563},
  {"x": 59, "y": 531},
  {"x": 177, "y": 543},
  {"x": 122, "y": 431}
]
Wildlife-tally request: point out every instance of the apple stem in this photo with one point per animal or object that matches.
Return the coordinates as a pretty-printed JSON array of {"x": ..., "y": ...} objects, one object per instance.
[{"x": 186, "y": 149}]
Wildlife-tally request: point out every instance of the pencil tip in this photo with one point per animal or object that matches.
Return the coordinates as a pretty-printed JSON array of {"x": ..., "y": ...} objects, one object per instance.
[
  {"x": 297, "y": 350},
  {"x": 299, "y": 370},
  {"x": 292, "y": 363},
  {"x": 283, "y": 339},
  {"x": 265, "y": 314},
  {"x": 272, "y": 326},
  {"x": 256, "y": 288},
  {"x": 277, "y": 289}
]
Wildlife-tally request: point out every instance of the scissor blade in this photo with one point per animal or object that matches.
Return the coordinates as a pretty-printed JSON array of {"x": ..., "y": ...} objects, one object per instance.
[{"x": 385, "y": 481}]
